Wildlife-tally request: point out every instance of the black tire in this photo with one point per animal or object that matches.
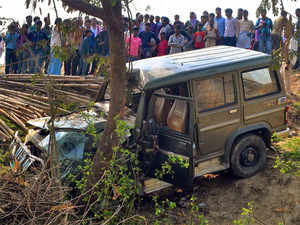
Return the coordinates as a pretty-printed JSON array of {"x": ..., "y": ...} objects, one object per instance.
[{"x": 248, "y": 156}]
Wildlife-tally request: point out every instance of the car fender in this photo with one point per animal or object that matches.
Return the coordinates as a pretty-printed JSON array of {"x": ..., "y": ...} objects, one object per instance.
[{"x": 249, "y": 129}]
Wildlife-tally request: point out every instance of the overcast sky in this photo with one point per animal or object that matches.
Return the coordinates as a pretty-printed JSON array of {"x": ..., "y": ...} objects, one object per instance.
[{"x": 15, "y": 8}]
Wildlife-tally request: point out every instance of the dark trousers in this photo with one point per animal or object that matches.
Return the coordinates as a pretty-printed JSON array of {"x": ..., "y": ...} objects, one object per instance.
[
  {"x": 68, "y": 66},
  {"x": 10, "y": 61},
  {"x": 87, "y": 69},
  {"x": 83, "y": 66},
  {"x": 94, "y": 66},
  {"x": 47, "y": 57},
  {"x": 230, "y": 41},
  {"x": 71, "y": 65},
  {"x": 220, "y": 41},
  {"x": 75, "y": 62}
]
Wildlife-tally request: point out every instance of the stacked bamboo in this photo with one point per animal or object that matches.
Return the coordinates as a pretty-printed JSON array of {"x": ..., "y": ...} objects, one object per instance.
[{"x": 25, "y": 97}]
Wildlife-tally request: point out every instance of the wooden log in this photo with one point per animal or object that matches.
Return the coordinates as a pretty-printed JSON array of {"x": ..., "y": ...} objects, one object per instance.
[
  {"x": 20, "y": 122},
  {"x": 13, "y": 118},
  {"x": 10, "y": 131},
  {"x": 67, "y": 93},
  {"x": 93, "y": 86},
  {"x": 4, "y": 136},
  {"x": 26, "y": 77},
  {"x": 26, "y": 104},
  {"x": 10, "y": 109},
  {"x": 16, "y": 104},
  {"x": 3, "y": 90}
]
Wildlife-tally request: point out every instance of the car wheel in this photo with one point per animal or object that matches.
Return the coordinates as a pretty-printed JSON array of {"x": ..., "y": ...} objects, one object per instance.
[{"x": 248, "y": 156}]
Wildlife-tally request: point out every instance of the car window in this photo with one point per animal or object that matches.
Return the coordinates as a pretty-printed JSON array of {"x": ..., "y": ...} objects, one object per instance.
[
  {"x": 215, "y": 92},
  {"x": 259, "y": 83},
  {"x": 70, "y": 144}
]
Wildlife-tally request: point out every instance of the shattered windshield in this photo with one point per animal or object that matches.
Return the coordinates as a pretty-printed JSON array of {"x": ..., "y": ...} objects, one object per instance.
[{"x": 71, "y": 145}]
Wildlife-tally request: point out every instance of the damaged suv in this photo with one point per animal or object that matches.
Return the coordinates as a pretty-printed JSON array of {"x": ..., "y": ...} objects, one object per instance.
[{"x": 205, "y": 111}]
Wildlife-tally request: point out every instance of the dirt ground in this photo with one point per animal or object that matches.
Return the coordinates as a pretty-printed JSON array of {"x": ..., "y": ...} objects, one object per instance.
[{"x": 275, "y": 197}]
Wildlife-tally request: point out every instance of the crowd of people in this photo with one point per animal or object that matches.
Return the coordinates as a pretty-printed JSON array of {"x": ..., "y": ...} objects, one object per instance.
[{"x": 33, "y": 47}]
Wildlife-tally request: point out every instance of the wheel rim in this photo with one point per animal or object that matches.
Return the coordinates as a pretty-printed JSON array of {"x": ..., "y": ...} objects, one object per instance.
[{"x": 249, "y": 157}]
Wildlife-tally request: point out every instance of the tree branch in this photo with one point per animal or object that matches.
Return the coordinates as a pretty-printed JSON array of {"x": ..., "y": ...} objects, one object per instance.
[
  {"x": 113, "y": 12},
  {"x": 85, "y": 7}
]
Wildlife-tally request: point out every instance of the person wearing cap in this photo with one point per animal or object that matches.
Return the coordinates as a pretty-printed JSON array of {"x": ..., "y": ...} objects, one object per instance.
[
  {"x": 134, "y": 45},
  {"x": 11, "y": 39}
]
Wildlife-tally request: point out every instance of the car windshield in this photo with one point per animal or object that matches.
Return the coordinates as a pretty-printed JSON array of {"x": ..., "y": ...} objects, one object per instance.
[{"x": 71, "y": 145}]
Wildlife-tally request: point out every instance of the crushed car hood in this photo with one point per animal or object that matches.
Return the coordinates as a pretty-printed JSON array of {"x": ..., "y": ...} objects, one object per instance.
[
  {"x": 74, "y": 121},
  {"x": 83, "y": 119}
]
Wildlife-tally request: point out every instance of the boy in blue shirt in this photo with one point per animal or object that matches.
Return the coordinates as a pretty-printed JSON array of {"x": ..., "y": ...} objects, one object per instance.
[{"x": 86, "y": 49}]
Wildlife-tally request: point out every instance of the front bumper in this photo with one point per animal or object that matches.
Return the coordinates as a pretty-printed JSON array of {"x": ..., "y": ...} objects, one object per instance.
[{"x": 22, "y": 158}]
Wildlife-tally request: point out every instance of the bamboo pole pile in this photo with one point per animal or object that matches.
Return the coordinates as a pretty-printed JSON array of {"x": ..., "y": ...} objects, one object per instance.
[{"x": 25, "y": 97}]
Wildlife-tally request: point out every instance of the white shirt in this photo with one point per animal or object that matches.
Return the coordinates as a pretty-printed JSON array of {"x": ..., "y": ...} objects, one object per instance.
[
  {"x": 55, "y": 38},
  {"x": 230, "y": 27}
]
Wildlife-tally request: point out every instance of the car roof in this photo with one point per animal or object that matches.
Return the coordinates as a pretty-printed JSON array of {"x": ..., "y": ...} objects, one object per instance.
[{"x": 168, "y": 70}]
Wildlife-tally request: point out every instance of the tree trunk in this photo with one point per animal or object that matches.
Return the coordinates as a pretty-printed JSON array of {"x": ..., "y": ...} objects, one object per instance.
[
  {"x": 111, "y": 13},
  {"x": 118, "y": 86}
]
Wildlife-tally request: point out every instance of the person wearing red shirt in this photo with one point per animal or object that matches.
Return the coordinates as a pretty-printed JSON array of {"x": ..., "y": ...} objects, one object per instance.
[
  {"x": 199, "y": 38},
  {"x": 163, "y": 47},
  {"x": 134, "y": 45}
]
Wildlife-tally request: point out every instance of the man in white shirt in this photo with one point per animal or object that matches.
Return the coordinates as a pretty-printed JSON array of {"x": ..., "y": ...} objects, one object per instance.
[{"x": 231, "y": 29}]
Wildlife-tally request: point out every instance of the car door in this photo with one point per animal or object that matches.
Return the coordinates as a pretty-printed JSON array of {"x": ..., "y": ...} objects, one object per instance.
[
  {"x": 218, "y": 112},
  {"x": 264, "y": 100},
  {"x": 173, "y": 142}
]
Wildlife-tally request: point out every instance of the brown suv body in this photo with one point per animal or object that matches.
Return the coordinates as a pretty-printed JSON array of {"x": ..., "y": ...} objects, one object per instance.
[{"x": 215, "y": 108}]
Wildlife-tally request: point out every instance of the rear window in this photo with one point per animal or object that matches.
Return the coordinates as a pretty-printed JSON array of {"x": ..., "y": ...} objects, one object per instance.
[{"x": 258, "y": 83}]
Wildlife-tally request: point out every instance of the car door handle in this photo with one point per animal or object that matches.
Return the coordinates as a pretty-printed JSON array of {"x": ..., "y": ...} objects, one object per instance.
[{"x": 233, "y": 111}]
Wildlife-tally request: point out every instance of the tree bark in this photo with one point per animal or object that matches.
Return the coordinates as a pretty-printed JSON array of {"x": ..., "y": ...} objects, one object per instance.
[
  {"x": 111, "y": 14},
  {"x": 118, "y": 85}
]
